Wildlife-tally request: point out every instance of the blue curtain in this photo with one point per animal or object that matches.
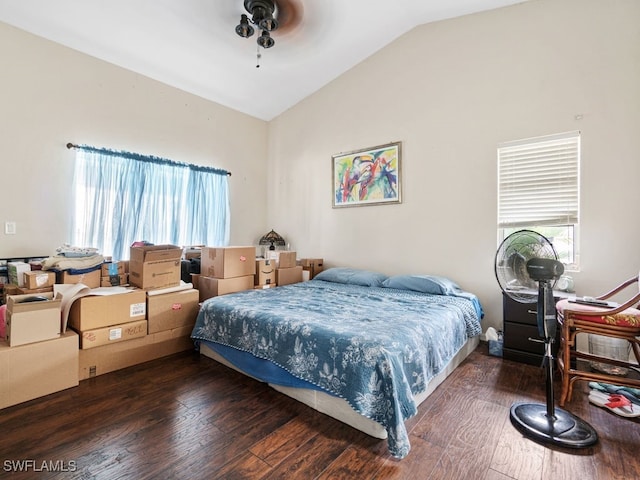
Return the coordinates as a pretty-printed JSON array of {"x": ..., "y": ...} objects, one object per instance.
[{"x": 123, "y": 197}]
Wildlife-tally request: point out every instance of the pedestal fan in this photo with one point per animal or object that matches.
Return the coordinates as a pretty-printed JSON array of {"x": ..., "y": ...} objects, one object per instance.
[{"x": 523, "y": 259}]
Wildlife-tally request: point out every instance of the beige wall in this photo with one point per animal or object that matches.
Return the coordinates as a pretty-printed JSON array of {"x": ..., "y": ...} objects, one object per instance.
[
  {"x": 451, "y": 91},
  {"x": 51, "y": 95}
]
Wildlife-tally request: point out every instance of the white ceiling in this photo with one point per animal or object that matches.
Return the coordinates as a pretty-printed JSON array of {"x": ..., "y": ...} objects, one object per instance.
[{"x": 192, "y": 44}]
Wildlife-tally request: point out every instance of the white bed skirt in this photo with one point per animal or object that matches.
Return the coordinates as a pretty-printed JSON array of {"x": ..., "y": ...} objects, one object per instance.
[{"x": 339, "y": 408}]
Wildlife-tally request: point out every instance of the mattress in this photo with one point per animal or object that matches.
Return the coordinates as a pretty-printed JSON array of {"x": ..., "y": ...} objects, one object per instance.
[
  {"x": 339, "y": 408},
  {"x": 377, "y": 349}
]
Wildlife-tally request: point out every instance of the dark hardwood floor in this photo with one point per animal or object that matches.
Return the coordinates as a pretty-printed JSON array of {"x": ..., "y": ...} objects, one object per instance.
[{"x": 186, "y": 416}]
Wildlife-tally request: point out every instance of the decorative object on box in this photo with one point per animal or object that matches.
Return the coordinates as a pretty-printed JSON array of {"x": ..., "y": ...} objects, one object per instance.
[
  {"x": 367, "y": 177},
  {"x": 272, "y": 239},
  {"x": 525, "y": 258}
]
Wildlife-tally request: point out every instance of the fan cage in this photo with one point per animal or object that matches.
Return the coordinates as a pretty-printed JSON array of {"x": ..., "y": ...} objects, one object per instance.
[{"x": 511, "y": 263}]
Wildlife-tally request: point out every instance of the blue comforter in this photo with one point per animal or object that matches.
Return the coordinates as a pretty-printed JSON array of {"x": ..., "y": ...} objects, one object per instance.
[{"x": 374, "y": 347}]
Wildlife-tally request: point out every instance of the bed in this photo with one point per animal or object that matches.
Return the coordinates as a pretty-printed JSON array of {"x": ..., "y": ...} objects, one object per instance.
[{"x": 362, "y": 347}]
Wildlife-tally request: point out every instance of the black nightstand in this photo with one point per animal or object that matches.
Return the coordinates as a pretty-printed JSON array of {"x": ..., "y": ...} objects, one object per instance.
[{"x": 520, "y": 324}]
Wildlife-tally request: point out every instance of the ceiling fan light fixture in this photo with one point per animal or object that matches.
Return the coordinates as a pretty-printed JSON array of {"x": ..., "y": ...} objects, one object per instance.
[
  {"x": 268, "y": 23},
  {"x": 265, "y": 40},
  {"x": 243, "y": 28}
]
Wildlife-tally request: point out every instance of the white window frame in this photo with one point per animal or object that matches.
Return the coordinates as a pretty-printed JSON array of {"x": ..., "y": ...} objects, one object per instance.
[{"x": 539, "y": 188}]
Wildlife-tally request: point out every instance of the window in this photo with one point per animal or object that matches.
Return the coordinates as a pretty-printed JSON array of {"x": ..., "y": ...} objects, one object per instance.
[
  {"x": 538, "y": 189},
  {"x": 123, "y": 197}
]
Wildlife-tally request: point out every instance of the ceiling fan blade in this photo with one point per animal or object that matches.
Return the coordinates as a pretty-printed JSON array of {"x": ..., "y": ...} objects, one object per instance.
[{"x": 289, "y": 15}]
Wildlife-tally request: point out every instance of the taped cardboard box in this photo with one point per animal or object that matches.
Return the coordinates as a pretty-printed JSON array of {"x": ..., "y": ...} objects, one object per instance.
[
  {"x": 172, "y": 310},
  {"x": 108, "y": 358},
  {"x": 287, "y": 276},
  {"x": 265, "y": 272},
  {"x": 112, "y": 268},
  {"x": 90, "y": 279},
  {"x": 97, "y": 311},
  {"x": 114, "y": 280},
  {"x": 39, "y": 279},
  {"x": 37, "y": 369},
  {"x": 213, "y": 287},
  {"x": 287, "y": 259},
  {"x": 155, "y": 266},
  {"x": 228, "y": 262},
  {"x": 115, "y": 333},
  {"x": 32, "y": 321}
]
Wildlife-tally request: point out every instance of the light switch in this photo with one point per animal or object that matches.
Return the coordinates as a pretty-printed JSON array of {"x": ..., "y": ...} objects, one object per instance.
[{"x": 9, "y": 228}]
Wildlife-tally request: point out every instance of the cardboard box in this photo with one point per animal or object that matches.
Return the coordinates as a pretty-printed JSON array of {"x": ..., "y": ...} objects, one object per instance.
[
  {"x": 312, "y": 262},
  {"x": 16, "y": 270},
  {"x": 115, "y": 333},
  {"x": 112, "y": 268},
  {"x": 90, "y": 279},
  {"x": 155, "y": 266},
  {"x": 265, "y": 272},
  {"x": 97, "y": 311},
  {"x": 212, "y": 287},
  {"x": 114, "y": 280},
  {"x": 9, "y": 289},
  {"x": 29, "y": 322},
  {"x": 108, "y": 358},
  {"x": 34, "y": 291},
  {"x": 228, "y": 262},
  {"x": 287, "y": 259},
  {"x": 286, "y": 276},
  {"x": 39, "y": 279},
  {"x": 37, "y": 369},
  {"x": 172, "y": 310}
]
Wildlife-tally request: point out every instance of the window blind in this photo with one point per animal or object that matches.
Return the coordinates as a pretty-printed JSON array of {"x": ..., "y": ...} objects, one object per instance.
[{"x": 538, "y": 181}]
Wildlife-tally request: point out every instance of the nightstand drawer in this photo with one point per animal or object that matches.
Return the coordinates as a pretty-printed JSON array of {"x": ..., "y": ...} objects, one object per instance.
[
  {"x": 517, "y": 336},
  {"x": 519, "y": 312}
]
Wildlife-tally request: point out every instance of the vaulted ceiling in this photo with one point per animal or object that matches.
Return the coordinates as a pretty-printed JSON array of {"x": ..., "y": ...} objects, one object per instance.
[{"x": 192, "y": 44}]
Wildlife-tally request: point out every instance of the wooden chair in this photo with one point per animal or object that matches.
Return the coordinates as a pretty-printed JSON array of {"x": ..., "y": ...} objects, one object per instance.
[{"x": 622, "y": 322}]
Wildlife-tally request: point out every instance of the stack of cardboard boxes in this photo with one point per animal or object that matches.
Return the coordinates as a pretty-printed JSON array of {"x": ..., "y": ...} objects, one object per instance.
[
  {"x": 37, "y": 358},
  {"x": 226, "y": 270},
  {"x": 288, "y": 271},
  {"x": 150, "y": 321},
  {"x": 311, "y": 267}
]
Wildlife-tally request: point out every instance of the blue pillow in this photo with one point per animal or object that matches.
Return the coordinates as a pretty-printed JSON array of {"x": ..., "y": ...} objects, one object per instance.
[
  {"x": 352, "y": 276},
  {"x": 423, "y": 283}
]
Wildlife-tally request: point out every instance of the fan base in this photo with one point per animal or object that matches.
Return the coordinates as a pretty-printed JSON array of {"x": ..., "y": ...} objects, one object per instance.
[{"x": 563, "y": 428}]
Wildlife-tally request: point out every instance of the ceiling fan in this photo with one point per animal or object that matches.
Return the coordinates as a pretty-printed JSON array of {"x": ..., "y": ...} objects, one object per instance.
[{"x": 268, "y": 16}]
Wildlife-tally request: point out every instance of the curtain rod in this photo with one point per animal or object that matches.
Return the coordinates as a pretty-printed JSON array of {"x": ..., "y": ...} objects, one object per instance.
[{"x": 95, "y": 149}]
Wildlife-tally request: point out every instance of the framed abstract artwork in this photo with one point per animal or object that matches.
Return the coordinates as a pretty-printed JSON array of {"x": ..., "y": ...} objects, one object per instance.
[{"x": 367, "y": 177}]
